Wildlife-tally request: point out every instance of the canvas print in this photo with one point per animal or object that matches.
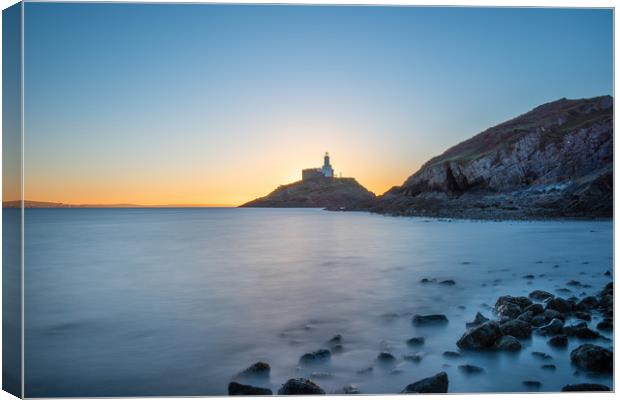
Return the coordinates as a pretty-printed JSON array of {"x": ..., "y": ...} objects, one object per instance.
[{"x": 235, "y": 199}]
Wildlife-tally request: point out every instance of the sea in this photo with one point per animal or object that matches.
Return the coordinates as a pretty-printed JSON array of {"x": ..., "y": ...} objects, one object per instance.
[{"x": 176, "y": 302}]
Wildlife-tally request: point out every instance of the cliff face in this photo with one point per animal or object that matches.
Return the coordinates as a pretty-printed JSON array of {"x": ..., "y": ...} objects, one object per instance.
[
  {"x": 556, "y": 160},
  {"x": 332, "y": 193}
]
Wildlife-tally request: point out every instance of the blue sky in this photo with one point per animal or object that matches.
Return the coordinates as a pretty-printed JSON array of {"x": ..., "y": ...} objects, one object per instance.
[{"x": 220, "y": 104}]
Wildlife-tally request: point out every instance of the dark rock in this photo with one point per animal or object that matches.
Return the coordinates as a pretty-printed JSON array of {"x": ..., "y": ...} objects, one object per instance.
[
  {"x": 532, "y": 384},
  {"x": 551, "y": 314},
  {"x": 535, "y": 309},
  {"x": 350, "y": 389},
  {"x": 336, "y": 339},
  {"x": 471, "y": 369},
  {"x": 586, "y": 333},
  {"x": 607, "y": 273},
  {"x": 521, "y": 301},
  {"x": 321, "y": 355},
  {"x": 480, "y": 337},
  {"x": 300, "y": 386},
  {"x": 508, "y": 343},
  {"x": 517, "y": 328},
  {"x": 529, "y": 276},
  {"x": 479, "y": 319},
  {"x": 583, "y": 315},
  {"x": 552, "y": 328},
  {"x": 426, "y": 280},
  {"x": 608, "y": 289},
  {"x": 549, "y": 367},
  {"x": 526, "y": 317},
  {"x": 415, "y": 341},
  {"x": 260, "y": 370},
  {"x": 559, "y": 304},
  {"x": 508, "y": 310},
  {"x": 386, "y": 357},
  {"x": 417, "y": 357},
  {"x": 606, "y": 325},
  {"x": 570, "y": 330},
  {"x": 573, "y": 283},
  {"x": 593, "y": 358},
  {"x": 541, "y": 355},
  {"x": 429, "y": 319},
  {"x": 452, "y": 354},
  {"x": 538, "y": 321},
  {"x": 558, "y": 341},
  {"x": 237, "y": 389},
  {"x": 448, "y": 282},
  {"x": 587, "y": 303},
  {"x": 586, "y": 387},
  {"x": 434, "y": 384}
]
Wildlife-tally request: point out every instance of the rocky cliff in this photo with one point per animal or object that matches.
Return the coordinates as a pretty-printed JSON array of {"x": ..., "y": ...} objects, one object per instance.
[
  {"x": 332, "y": 193},
  {"x": 554, "y": 161}
]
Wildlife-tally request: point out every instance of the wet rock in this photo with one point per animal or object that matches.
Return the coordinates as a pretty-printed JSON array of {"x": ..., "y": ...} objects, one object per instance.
[
  {"x": 521, "y": 301},
  {"x": 541, "y": 355},
  {"x": 365, "y": 371},
  {"x": 548, "y": 367},
  {"x": 535, "y": 309},
  {"x": 448, "y": 282},
  {"x": 532, "y": 384},
  {"x": 529, "y": 276},
  {"x": 559, "y": 304},
  {"x": 552, "y": 328},
  {"x": 260, "y": 369},
  {"x": 564, "y": 291},
  {"x": 452, "y": 354},
  {"x": 606, "y": 325},
  {"x": 538, "y": 321},
  {"x": 551, "y": 314},
  {"x": 434, "y": 384},
  {"x": 586, "y": 387},
  {"x": 508, "y": 310},
  {"x": 592, "y": 358},
  {"x": 479, "y": 319},
  {"x": 608, "y": 289},
  {"x": 583, "y": 315},
  {"x": 508, "y": 343},
  {"x": 526, "y": 316},
  {"x": 480, "y": 337},
  {"x": 573, "y": 282},
  {"x": 471, "y": 369},
  {"x": 587, "y": 303},
  {"x": 586, "y": 333},
  {"x": 386, "y": 357},
  {"x": 322, "y": 355},
  {"x": 429, "y": 319},
  {"x": 335, "y": 340},
  {"x": 607, "y": 273},
  {"x": 300, "y": 386},
  {"x": 415, "y": 341},
  {"x": 571, "y": 329},
  {"x": 237, "y": 389},
  {"x": 350, "y": 389},
  {"x": 517, "y": 328},
  {"x": 558, "y": 341}
]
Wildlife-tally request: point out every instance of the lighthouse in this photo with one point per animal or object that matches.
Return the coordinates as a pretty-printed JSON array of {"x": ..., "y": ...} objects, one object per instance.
[{"x": 327, "y": 169}]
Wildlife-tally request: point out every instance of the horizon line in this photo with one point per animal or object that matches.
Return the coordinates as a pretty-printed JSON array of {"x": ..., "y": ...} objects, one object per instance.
[{"x": 51, "y": 204}]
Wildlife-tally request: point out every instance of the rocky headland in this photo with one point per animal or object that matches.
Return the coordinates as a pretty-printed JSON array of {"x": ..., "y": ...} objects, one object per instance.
[
  {"x": 554, "y": 161},
  {"x": 332, "y": 193}
]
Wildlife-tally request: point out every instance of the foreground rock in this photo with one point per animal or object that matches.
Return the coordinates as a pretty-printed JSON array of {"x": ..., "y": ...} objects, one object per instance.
[
  {"x": 480, "y": 337},
  {"x": 300, "y": 386},
  {"x": 237, "y": 389},
  {"x": 434, "y": 384},
  {"x": 260, "y": 370},
  {"x": 429, "y": 319},
  {"x": 593, "y": 358},
  {"x": 586, "y": 387}
]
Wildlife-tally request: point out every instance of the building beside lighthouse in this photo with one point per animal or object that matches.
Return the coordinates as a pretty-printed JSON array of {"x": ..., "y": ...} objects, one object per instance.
[{"x": 326, "y": 171}]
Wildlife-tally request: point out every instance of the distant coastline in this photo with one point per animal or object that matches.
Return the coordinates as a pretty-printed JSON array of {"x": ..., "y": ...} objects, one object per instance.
[{"x": 47, "y": 204}]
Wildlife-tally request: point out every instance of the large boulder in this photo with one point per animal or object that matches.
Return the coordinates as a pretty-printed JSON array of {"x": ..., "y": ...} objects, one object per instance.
[
  {"x": 593, "y": 358},
  {"x": 480, "y": 337},
  {"x": 517, "y": 328},
  {"x": 479, "y": 319},
  {"x": 434, "y": 384},
  {"x": 237, "y": 389},
  {"x": 300, "y": 386},
  {"x": 258, "y": 369}
]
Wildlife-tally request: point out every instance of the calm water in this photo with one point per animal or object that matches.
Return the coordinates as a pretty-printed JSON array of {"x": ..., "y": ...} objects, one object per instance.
[{"x": 176, "y": 301}]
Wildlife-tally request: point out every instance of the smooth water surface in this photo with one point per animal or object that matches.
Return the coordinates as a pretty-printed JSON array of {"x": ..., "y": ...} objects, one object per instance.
[{"x": 177, "y": 301}]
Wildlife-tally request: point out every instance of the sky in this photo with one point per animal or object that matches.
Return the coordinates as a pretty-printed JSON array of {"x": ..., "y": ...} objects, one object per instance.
[{"x": 220, "y": 104}]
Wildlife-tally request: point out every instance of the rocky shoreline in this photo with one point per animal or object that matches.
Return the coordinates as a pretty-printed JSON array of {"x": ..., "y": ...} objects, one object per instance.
[{"x": 562, "y": 322}]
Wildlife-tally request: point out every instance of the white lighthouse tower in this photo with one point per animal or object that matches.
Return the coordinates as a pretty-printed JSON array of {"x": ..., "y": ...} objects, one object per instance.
[{"x": 327, "y": 169}]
